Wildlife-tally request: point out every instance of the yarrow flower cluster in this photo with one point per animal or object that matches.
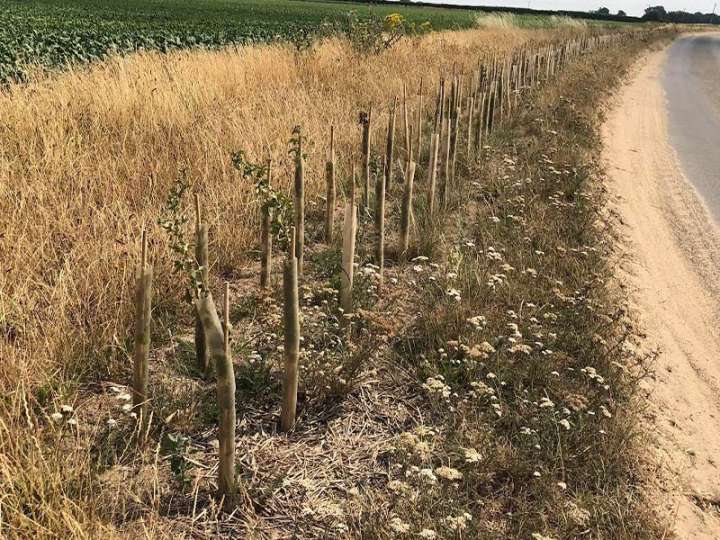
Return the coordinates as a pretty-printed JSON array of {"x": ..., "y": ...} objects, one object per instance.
[
  {"x": 449, "y": 474},
  {"x": 398, "y": 525},
  {"x": 458, "y": 523},
  {"x": 454, "y": 294},
  {"x": 436, "y": 386}
]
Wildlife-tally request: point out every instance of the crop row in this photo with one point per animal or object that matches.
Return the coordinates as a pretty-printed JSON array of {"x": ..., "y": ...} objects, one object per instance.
[
  {"x": 53, "y": 33},
  {"x": 25, "y": 42}
]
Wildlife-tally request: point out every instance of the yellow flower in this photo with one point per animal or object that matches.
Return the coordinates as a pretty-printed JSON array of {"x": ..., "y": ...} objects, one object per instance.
[{"x": 394, "y": 20}]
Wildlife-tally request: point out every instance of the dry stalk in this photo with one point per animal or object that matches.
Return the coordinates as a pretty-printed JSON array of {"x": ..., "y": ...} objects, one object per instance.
[
  {"x": 348, "y": 250},
  {"x": 141, "y": 351}
]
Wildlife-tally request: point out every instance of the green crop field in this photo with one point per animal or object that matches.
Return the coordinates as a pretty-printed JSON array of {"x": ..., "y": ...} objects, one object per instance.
[
  {"x": 57, "y": 32},
  {"x": 53, "y": 33}
]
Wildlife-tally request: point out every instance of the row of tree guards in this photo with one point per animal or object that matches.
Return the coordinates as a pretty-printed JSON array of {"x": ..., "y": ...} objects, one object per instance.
[{"x": 468, "y": 108}]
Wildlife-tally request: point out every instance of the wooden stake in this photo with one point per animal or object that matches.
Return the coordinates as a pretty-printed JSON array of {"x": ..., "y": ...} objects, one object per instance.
[
  {"x": 299, "y": 207},
  {"x": 380, "y": 222},
  {"x": 445, "y": 185},
  {"x": 330, "y": 195},
  {"x": 348, "y": 252},
  {"x": 141, "y": 349},
  {"x": 471, "y": 112},
  {"x": 406, "y": 120},
  {"x": 439, "y": 107},
  {"x": 219, "y": 347},
  {"x": 454, "y": 144},
  {"x": 390, "y": 147},
  {"x": 406, "y": 210},
  {"x": 419, "y": 123},
  {"x": 292, "y": 338},
  {"x": 366, "y": 158},
  {"x": 432, "y": 172},
  {"x": 201, "y": 259},
  {"x": 266, "y": 238}
]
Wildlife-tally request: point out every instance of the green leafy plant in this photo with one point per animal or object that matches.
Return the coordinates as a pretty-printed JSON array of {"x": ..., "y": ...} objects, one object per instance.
[
  {"x": 173, "y": 221},
  {"x": 374, "y": 34},
  {"x": 278, "y": 204},
  {"x": 175, "y": 445}
]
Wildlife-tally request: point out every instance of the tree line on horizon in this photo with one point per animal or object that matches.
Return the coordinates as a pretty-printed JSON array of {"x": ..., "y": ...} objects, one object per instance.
[
  {"x": 658, "y": 13},
  {"x": 652, "y": 13}
]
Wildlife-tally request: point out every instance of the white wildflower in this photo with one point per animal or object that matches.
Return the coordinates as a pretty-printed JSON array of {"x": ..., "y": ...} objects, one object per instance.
[
  {"x": 454, "y": 294},
  {"x": 472, "y": 455},
  {"x": 435, "y": 385},
  {"x": 478, "y": 321},
  {"x": 538, "y": 536},
  {"x": 458, "y": 523},
  {"x": 427, "y": 476},
  {"x": 398, "y": 487},
  {"x": 448, "y": 473},
  {"x": 545, "y": 403},
  {"x": 520, "y": 349},
  {"x": 398, "y": 525}
]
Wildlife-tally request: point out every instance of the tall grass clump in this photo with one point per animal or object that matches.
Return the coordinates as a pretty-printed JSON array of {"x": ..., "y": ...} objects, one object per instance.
[
  {"x": 567, "y": 22},
  {"x": 503, "y": 21}
]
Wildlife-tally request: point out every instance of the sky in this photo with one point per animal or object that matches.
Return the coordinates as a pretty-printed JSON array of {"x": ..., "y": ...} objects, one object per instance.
[{"x": 631, "y": 7}]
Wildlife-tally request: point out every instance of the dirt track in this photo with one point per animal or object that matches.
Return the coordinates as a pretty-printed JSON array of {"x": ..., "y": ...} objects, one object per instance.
[{"x": 674, "y": 249}]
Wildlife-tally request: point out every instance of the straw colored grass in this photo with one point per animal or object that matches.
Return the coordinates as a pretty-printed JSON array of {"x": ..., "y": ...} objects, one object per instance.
[
  {"x": 87, "y": 158},
  {"x": 496, "y": 21}
]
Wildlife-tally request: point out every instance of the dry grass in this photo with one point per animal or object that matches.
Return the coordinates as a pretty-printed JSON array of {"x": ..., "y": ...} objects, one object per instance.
[
  {"x": 564, "y": 21},
  {"x": 496, "y": 20},
  {"x": 88, "y": 156}
]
